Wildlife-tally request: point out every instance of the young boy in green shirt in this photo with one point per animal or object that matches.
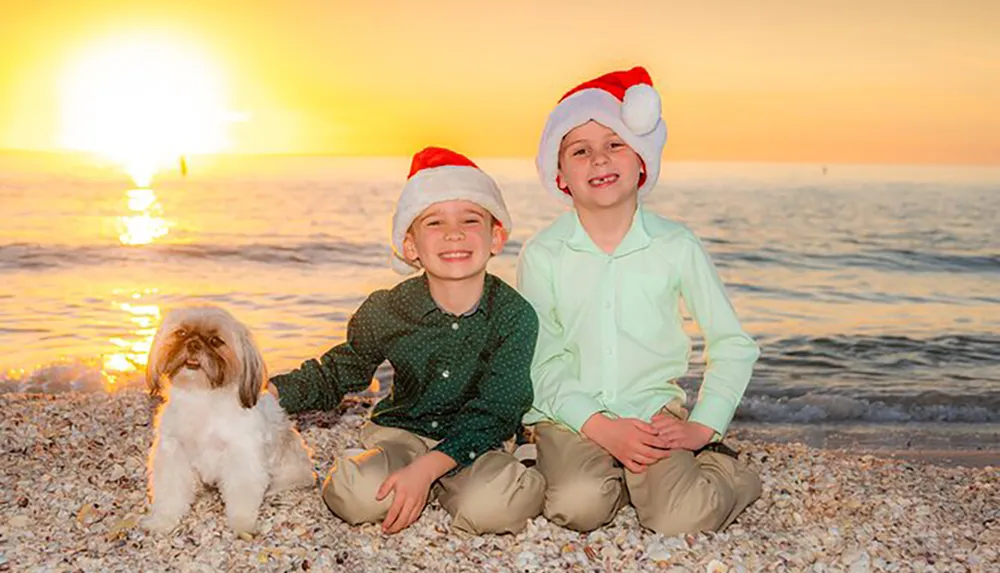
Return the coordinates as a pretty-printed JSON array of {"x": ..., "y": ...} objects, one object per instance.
[
  {"x": 460, "y": 341},
  {"x": 607, "y": 279}
]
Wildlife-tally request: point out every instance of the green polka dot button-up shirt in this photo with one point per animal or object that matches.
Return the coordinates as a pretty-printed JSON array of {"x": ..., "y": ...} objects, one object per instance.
[{"x": 464, "y": 380}]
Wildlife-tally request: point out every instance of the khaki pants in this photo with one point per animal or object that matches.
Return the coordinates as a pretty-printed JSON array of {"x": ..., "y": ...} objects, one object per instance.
[
  {"x": 682, "y": 493},
  {"x": 496, "y": 494}
]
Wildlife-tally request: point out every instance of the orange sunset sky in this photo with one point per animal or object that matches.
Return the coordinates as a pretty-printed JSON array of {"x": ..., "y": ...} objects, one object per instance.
[{"x": 908, "y": 81}]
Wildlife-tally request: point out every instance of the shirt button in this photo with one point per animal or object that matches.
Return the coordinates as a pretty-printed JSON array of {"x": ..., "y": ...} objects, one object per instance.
[
  {"x": 454, "y": 326},
  {"x": 434, "y": 424},
  {"x": 445, "y": 374},
  {"x": 472, "y": 455}
]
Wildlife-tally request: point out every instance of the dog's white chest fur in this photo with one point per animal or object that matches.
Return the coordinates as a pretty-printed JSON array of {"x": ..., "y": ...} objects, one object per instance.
[{"x": 210, "y": 425}]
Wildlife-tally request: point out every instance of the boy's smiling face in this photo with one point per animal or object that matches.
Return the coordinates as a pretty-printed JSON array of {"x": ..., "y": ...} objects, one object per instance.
[
  {"x": 598, "y": 167},
  {"x": 454, "y": 240}
]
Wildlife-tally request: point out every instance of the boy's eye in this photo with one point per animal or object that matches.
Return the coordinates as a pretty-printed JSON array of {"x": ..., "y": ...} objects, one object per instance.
[
  {"x": 471, "y": 221},
  {"x": 617, "y": 144},
  {"x": 432, "y": 223},
  {"x": 579, "y": 152}
]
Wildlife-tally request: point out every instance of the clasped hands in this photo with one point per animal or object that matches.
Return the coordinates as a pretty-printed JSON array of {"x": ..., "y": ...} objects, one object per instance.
[{"x": 638, "y": 444}]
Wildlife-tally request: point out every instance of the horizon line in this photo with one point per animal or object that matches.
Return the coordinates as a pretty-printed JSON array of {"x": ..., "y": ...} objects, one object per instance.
[{"x": 325, "y": 154}]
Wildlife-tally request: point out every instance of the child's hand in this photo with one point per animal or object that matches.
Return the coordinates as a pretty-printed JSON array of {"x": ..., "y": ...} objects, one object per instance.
[
  {"x": 681, "y": 434},
  {"x": 631, "y": 441},
  {"x": 412, "y": 485}
]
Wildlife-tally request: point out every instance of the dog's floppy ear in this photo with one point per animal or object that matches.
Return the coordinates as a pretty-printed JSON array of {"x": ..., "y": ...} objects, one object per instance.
[
  {"x": 254, "y": 373},
  {"x": 154, "y": 382}
]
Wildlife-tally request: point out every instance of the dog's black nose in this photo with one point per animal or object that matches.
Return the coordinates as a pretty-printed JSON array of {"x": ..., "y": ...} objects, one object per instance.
[{"x": 194, "y": 344}]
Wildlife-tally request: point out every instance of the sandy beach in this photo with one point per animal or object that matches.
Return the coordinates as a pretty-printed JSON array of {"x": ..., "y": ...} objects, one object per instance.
[{"x": 72, "y": 488}]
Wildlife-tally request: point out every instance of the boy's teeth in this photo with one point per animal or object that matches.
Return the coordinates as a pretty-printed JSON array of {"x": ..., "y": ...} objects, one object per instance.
[
  {"x": 454, "y": 255},
  {"x": 603, "y": 180}
]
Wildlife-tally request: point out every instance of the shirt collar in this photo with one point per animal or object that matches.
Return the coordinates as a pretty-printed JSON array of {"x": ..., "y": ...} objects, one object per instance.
[
  {"x": 634, "y": 240},
  {"x": 428, "y": 305},
  {"x": 469, "y": 312}
]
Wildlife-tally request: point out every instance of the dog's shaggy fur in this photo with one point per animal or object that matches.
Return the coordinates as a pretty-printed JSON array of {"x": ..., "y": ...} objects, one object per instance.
[{"x": 217, "y": 426}]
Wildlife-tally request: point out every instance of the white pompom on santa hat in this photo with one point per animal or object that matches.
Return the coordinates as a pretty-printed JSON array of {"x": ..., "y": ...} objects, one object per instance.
[
  {"x": 623, "y": 101},
  {"x": 436, "y": 175}
]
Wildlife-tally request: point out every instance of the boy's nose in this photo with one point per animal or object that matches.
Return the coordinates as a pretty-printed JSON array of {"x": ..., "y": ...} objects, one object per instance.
[{"x": 455, "y": 232}]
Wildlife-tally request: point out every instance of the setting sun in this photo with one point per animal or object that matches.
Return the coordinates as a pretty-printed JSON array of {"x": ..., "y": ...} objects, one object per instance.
[{"x": 144, "y": 101}]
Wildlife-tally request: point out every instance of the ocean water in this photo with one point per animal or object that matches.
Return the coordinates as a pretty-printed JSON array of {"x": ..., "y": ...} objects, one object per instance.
[{"x": 874, "y": 291}]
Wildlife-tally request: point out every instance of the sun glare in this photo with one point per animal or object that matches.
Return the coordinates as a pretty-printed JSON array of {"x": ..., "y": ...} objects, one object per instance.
[
  {"x": 144, "y": 102},
  {"x": 144, "y": 225},
  {"x": 130, "y": 354}
]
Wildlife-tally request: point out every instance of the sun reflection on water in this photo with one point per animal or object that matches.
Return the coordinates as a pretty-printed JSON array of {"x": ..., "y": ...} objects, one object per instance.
[
  {"x": 141, "y": 199},
  {"x": 131, "y": 350},
  {"x": 146, "y": 225}
]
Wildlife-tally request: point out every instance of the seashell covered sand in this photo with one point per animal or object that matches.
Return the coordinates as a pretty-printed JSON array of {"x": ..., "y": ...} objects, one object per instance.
[{"x": 72, "y": 490}]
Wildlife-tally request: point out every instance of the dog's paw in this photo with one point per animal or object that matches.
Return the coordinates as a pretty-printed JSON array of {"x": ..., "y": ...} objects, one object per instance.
[
  {"x": 159, "y": 523},
  {"x": 243, "y": 525}
]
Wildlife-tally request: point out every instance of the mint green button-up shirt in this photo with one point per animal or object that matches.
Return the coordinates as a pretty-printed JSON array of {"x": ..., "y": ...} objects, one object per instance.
[{"x": 611, "y": 335}]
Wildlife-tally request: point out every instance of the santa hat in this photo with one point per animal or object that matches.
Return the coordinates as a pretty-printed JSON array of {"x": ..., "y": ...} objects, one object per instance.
[
  {"x": 623, "y": 101},
  {"x": 437, "y": 175}
]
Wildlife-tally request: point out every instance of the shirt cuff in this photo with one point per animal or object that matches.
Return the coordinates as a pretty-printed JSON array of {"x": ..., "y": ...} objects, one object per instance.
[
  {"x": 288, "y": 393},
  {"x": 576, "y": 409},
  {"x": 714, "y": 412}
]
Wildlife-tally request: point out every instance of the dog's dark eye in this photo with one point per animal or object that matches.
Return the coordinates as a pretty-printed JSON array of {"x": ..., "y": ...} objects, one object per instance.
[
  {"x": 181, "y": 333},
  {"x": 216, "y": 342}
]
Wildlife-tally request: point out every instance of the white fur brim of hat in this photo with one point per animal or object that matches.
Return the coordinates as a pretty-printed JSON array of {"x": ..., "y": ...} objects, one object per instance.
[
  {"x": 438, "y": 184},
  {"x": 636, "y": 120}
]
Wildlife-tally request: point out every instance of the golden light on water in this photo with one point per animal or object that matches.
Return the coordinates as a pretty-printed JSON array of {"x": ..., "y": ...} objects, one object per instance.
[
  {"x": 117, "y": 363},
  {"x": 142, "y": 229},
  {"x": 141, "y": 199},
  {"x": 131, "y": 351},
  {"x": 145, "y": 226},
  {"x": 144, "y": 101}
]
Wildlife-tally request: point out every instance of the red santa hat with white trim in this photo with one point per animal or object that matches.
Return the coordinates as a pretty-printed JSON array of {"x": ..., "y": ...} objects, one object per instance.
[
  {"x": 624, "y": 101},
  {"x": 436, "y": 175}
]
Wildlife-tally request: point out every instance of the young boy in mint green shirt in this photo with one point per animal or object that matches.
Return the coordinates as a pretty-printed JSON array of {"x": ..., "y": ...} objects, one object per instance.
[{"x": 607, "y": 280}]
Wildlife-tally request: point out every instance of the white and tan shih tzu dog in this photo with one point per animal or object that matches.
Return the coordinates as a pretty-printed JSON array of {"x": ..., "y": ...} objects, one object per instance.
[{"x": 217, "y": 426}]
